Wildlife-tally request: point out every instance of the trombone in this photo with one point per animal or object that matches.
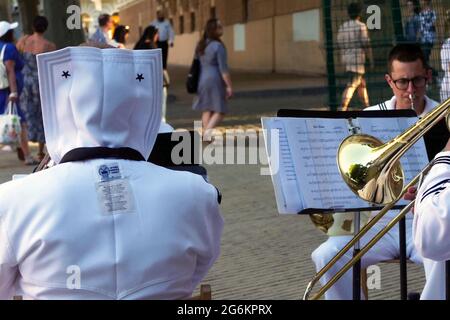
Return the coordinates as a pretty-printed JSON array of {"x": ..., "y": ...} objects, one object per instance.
[{"x": 372, "y": 171}]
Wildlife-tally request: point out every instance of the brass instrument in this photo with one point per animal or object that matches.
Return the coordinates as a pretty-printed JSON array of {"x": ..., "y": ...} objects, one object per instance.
[{"x": 372, "y": 171}]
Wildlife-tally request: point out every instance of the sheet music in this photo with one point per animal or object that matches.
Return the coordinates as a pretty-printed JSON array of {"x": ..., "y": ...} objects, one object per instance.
[
  {"x": 314, "y": 144},
  {"x": 308, "y": 176},
  {"x": 289, "y": 199}
]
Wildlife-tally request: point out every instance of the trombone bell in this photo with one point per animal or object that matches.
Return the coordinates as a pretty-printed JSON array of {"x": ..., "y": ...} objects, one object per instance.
[{"x": 367, "y": 168}]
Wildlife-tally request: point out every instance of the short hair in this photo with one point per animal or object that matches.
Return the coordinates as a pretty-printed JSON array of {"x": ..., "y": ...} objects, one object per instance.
[
  {"x": 40, "y": 24},
  {"x": 406, "y": 52},
  {"x": 354, "y": 10},
  {"x": 103, "y": 19}
]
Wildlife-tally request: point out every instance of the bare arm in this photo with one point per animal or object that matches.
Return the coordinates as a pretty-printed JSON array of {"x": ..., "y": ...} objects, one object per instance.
[
  {"x": 227, "y": 79},
  {"x": 10, "y": 65}
]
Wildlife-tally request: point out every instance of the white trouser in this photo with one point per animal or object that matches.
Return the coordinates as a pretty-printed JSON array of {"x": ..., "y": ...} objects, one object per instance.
[
  {"x": 387, "y": 248},
  {"x": 435, "y": 285}
]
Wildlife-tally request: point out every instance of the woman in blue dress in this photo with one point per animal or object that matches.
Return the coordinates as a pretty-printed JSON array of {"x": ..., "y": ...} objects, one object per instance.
[
  {"x": 214, "y": 88},
  {"x": 14, "y": 65},
  {"x": 30, "y": 46}
]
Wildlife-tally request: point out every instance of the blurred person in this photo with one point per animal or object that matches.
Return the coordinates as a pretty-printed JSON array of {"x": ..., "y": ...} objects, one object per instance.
[
  {"x": 166, "y": 35},
  {"x": 30, "y": 101},
  {"x": 120, "y": 36},
  {"x": 427, "y": 29},
  {"x": 354, "y": 43},
  {"x": 156, "y": 231},
  {"x": 215, "y": 87},
  {"x": 445, "y": 61},
  {"x": 148, "y": 40},
  {"x": 412, "y": 25},
  {"x": 14, "y": 65},
  {"x": 102, "y": 34}
]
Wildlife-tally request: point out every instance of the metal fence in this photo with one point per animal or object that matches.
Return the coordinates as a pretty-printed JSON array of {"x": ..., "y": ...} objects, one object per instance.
[{"x": 393, "y": 17}]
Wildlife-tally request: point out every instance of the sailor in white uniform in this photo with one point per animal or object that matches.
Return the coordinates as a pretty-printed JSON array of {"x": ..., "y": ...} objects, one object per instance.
[
  {"x": 103, "y": 223},
  {"x": 431, "y": 229},
  {"x": 407, "y": 76}
]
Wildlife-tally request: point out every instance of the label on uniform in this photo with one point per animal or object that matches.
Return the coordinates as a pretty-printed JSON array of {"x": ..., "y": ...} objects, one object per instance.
[{"x": 114, "y": 192}]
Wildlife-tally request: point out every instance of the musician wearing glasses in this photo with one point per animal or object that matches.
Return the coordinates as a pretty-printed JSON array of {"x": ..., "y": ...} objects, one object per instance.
[{"x": 408, "y": 76}]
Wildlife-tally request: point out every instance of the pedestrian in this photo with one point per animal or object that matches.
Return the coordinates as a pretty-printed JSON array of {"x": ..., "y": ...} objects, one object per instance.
[
  {"x": 445, "y": 61},
  {"x": 427, "y": 29},
  {"x": 166, "y": 35},
  {"x": 215, "y": 87},
  {"x": 148, "y": 39},
  {"x": 354, "y": 43},
  {"x": 102, "y": 34},
  {"x": 412, "y": 25},
  {"x": 120, "y": 36},
  {"x": 14, "y": 65},
  {"x": 30, "y": 101}
]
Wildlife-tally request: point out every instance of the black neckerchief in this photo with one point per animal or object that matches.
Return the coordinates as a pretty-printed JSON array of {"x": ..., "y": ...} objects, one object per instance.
[{"x": 83, "y": 154}]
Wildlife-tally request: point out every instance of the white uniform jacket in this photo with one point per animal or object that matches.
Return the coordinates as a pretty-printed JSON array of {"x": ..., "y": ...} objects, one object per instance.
[{"x": 105, "y": 229}]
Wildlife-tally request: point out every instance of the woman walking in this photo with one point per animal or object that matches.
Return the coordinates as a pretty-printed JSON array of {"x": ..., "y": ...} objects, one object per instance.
[
  {"x": 30, "y": 46},
  {"x": 214, "y": 88},
  {"x": 14, "y": 65}
]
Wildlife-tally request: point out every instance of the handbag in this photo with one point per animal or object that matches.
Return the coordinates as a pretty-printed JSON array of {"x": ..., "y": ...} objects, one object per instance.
[
  {"x": 4, "y": 82},
  {"x": 10, "y": 128},
  {"x": 193, "y": 77}
]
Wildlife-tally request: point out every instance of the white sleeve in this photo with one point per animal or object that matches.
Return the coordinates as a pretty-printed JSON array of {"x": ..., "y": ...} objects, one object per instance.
[
  {"x": 8, "y": 266},
  {"x": 431, "y": 229},
  {"x": 445, "y": 56},
  {"x": 208, "y": 226}
]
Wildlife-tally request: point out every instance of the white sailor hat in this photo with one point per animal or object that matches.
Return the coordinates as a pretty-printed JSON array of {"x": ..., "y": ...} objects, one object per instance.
[{"x": 100, "y": 98}]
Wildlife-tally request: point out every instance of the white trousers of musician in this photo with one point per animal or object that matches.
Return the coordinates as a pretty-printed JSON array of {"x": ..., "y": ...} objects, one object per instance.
[
  {"x": 435, "y": 285},
  {"x": 386, "y": 249}
]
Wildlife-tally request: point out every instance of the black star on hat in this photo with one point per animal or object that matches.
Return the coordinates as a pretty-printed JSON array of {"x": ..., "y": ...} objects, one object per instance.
[
  {"x": 66, "y": 74},
  {"x": 140, "y": 77}
]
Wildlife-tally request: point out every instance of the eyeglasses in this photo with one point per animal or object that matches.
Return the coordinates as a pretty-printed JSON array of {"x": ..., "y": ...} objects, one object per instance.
[{"x": 403, "y": 84}]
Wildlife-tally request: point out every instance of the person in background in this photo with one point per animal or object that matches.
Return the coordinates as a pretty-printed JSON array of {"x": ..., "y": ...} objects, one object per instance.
[
  {"x": 445, "y": 61},
  {"x": 412, "y": 25},
  {"x": 121, "y": 35},
  {"x": 102, "y": 35},
  {"x": 148, "y": 40},
  {"x": 215, "y": 87},
  {"x": 354, "y": 43},
  {"x": 30, "y": 101},
  {"x": 14, "y": 65},
  {"x": 427, "y": 28},
  {"x": 166, "y": 35}
]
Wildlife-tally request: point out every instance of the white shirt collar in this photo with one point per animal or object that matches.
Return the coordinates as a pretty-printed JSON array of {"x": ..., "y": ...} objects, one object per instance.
[{"x": 429, "y": 105}]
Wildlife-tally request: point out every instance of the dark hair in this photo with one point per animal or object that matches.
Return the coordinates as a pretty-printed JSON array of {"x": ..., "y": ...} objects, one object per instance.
[
  {"x": 103, "y": 19},
  {"x": 119, "y": 34},
  {"x": 416, "y": 5},
  {"x": 406, "y": 52},
  {"x": 40, "y": 24},
  {"x": 209, "y": 34},
  {"x": 354, "y": 10},
  {"x": 8, "y": 36},
  {"x": 147, "y": 39}
]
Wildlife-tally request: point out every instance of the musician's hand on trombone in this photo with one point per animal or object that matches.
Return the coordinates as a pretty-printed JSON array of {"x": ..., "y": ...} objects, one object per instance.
[
  {"x": 411, "y": 195},
  {"x": 447, "y": 147}
]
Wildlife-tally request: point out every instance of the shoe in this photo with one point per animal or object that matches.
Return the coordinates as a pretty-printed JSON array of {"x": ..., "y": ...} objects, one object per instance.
[
  {"x": 20, "y": 154},
  {"x": 30, "y": 161}
]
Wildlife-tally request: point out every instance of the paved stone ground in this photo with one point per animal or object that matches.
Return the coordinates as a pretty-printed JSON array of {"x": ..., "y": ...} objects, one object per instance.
[{"x": 264, "y": 255}]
